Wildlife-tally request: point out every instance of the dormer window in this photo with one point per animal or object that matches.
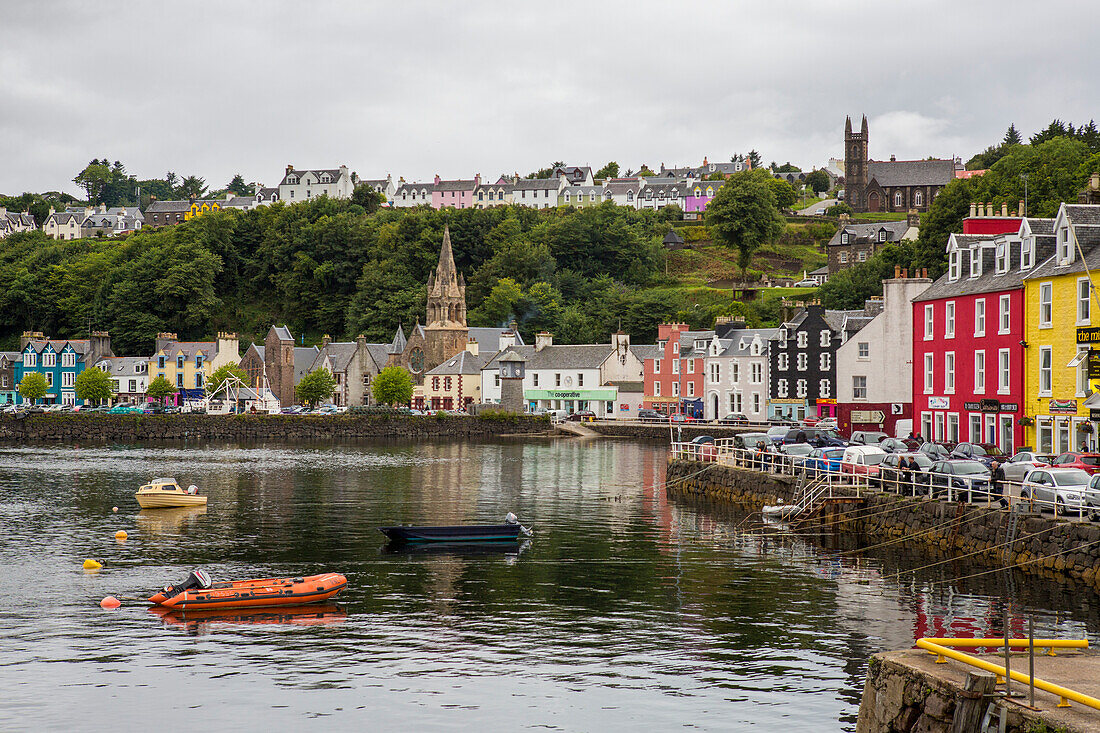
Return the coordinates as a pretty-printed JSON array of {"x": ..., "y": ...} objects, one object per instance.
[
  {"x": 291, "y": 180},
  {"x": 1027, "y": 253},
  {"x": 1002, "y": 256},
  {"x": 844, "y": 238},
  {"x": 755, "y": 351},
  {"x": 1065, "y": 250},
  {"x": 975, "y": 261},
  {"x": 629, "y": 195},
  {"x": 953, "y": 265},
  {"x": 882, "y": 235}
]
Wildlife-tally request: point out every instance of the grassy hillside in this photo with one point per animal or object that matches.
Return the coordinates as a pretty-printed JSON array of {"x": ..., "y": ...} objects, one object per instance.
[{"x": 801, "y": 247}]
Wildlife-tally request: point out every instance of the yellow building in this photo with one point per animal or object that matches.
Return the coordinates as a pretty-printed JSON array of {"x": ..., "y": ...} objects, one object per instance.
[
  {"x": 198, "y": 208},
  {"x": 455, "y": 384},
  {"x": 1062, "y": 311},
  {"x": 188, "y": 364}
]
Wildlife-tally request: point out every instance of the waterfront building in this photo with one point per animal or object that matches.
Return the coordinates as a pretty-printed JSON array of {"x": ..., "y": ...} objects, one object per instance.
[
  {"x": 893, "y": 185},
  {"x": 1062, "y": 315},
  {"x": 456, "y": 383},
  {"x": 673, "y": 372},
  {"x": 383, "y": 186},
  {"x": 59, "y": 361},
  {"x": 408, "y": 195},
  {"x": 657, "y": 193},
  {"x": 802, "y": 363},
  {"x": 354, "y": 365},
  {"x": 602, "y": 378},
  {"x": 8, "y": 385},
  {"x": 874, "y": 365},
  {"x": 129, "y": 377},
  {"x": 456, "y": 194},
  {"x": 736, "y": 371},
  {"x": 969, "y": 339},
  {"x": 302, "y": 185},
  {"x": 187, "y": 364},
  {"x": 277, "y": 365},
  {"x": 623, "y": 191},
  {"x": 854, "y": 243},
  {"x": 494, "y": 194}
]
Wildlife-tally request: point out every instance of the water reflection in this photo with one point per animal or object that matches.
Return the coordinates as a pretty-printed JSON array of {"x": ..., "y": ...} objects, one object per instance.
[{"x": 626, "y": 609}]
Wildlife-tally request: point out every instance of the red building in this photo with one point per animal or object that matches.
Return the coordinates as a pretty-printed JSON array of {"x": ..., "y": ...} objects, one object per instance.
[
  {"x": 984, "y": 220},
  {"x": 968, "y": 353},
  {"x": 674, "y": 377}
]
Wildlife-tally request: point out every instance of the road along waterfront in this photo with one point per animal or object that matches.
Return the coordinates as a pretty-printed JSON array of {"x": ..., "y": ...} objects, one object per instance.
[{"x": 627, "y": 609}]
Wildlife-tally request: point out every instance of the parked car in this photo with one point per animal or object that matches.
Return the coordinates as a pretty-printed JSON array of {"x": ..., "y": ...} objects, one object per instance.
[
  {"x": 1056, "y": 488},
  {"x": 748, "y": 441},
  {"x": 984, "y": 452},
  {"x": 867, "y": 437},
  {"x": 969, "y": 477},
  {"x": 798, "y": 453},
  {"x": 937, "y": 451},
  {"x": 898, "y": 445},
  {"x": 806, "y": 284},
  {"x": 1087, "y": 462},
  {"x": 650, "y": 415},
  {"x": 892, "y": 478},
  {"x": 826, "y": 423},
  {"x": 817, "y": 437},
  {"x": 1018, "y": 466},
  {"x": 707, "y": 450},
  {"x": 681, "y": 417},
  {"x": 777, "y": 433},
  {"x": 862, "y": 460},
  {"x": 1092, "y": 498},
  {"x": 582, "y": 416},
  {"x": 735, "y": 418},
  {"x": 823, "y": 460}
]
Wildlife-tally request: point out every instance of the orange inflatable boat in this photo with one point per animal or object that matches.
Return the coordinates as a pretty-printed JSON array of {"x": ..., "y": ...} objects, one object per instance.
[{"x": 198, "y": 592}]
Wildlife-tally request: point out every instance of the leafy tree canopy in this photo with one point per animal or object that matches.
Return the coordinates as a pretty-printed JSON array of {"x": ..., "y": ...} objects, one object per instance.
[
  {"x": 545, "y": 172},
  {"x": 215, "y": 381},
  {"x": 159, "y": 388},
  {"x": 611, "y": 170},
  {"x": 239, "y": 187},
  {"x": 364, "y": 195},
  {"x": 785, "y": 195},
  {"x": 93, "y": 385},
  {"x": 818, "y": 181},
  {"x": 316, "y": 386},
  {"x": 392, "y": 386},
  {"x": 33, "y": 386},
  {"x": 743, "y": 215}
]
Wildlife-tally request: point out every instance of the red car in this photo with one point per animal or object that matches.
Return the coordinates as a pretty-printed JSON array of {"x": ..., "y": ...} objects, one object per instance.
[{"x": 1088, "y": 462}]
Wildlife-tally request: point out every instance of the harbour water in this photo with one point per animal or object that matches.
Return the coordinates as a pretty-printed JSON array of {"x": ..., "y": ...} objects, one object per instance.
[{"x": 626, "y": 610}]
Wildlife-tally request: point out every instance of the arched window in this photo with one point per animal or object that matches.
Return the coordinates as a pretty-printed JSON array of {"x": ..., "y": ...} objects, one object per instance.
[
  {"x": 629, "y": 195},
  {"x": 918, "y": 198},
  {"x": 897, "y": 199}
]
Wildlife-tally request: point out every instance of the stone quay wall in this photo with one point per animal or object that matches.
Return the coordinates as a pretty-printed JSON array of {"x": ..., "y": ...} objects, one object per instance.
[
  {"x": 660, "y": 431},
  {"x": 77, "y": 427},
  {"x": 1037, "y": 544}
]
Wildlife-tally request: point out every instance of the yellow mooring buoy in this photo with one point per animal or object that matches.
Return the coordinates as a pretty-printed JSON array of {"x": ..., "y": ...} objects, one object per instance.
[
  {"x": 121, "y": 534},
  {"x": 92, "y": 565}
]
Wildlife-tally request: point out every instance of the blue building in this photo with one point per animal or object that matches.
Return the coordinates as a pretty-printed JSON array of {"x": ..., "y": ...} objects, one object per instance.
[
  {"x": 8, "y": 360},
  {"x": 59, "y": 361}
]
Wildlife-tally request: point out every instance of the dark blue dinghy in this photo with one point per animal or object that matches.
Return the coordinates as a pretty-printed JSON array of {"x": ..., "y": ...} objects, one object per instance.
[{"x": 508, "y": 532}]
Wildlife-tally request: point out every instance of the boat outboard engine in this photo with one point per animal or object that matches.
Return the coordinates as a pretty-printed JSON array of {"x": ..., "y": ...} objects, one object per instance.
[{"x": 196, "y": 579}]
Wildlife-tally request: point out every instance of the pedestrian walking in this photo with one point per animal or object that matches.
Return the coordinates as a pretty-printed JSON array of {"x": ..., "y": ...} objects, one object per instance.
[{"x": 997, "y": 480}]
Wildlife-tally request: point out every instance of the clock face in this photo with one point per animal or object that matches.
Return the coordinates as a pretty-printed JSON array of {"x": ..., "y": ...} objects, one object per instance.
[
  {"x": 416, "y": 360},
  {"x": 568, "y": 381}
]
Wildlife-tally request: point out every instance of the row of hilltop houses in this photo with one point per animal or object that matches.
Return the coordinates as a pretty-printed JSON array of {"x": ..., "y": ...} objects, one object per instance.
[{"x": 999, "y": 349}]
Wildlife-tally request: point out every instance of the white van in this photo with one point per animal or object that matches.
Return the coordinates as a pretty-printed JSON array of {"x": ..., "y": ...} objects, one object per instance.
[{"x": 862, "y": 459}]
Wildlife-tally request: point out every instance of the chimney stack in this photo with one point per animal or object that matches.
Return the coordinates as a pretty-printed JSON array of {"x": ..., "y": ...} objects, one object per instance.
[
  {"x": 542, "y": 340},
  {"x": 897, "y": 271},
  {"x": 893, "y": 158},
  {"x": 289, "y": 168},
  {"x": 325, "y": 340},
  {"x": 1021, "y": 209},
  {"x": 1004, "y": 209},
  {"x": 973, "y": 209}
]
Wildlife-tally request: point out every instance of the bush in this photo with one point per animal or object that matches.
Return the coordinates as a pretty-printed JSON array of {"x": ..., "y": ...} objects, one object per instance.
[{"x": 838, "y": 209}]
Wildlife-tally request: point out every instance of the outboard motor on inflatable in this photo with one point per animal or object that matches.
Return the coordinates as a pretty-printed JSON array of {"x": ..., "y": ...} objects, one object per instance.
[{"x": 196, "y": 579}]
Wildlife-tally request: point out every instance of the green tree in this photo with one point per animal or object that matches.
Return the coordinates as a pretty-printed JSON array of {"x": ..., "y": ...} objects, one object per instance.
[
  {"x": 93, "y": 385},
  {"x": 238, "y": 186},
  {"x": 743, "y": 215},
  {"x": 365, "y": 195},
  {"x": 611, "y": 170},
  {"x": 838, "y": 209},
  {"x": 392, "y": 386},
  {"x": 33, "y": 386},
  {"x": 788, "y": 168},
  {"x": 817, "y": 180},
  {"x": 1012, "y": 136},
  {"x": 215, "y": 381},
  {"x": 754, "y": 158},
  {"x": 94, "y": 179},
  {"x": 192, "y": 186},
  {"x": 785, "y": 195},
  {"x": 159, "y": 388},
  {"x": 316, "y": 386}
]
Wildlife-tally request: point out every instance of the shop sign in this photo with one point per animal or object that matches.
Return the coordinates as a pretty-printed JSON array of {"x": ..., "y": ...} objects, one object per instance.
[
  {"x": 1063, "y": 407},
  {"x": 1094, "y": 413},
  {"x": 1094, "y": 363},
  {"x": 989, "y": 405},
  {"x": 1088, "y": 335},
  {"x": 938, "y": 403},
  {"x": 786, "y": 402},
  {"x": 897, "y": 408},
  {"x": 826, "y": 401},
  {"x": 868, "y": 416}
]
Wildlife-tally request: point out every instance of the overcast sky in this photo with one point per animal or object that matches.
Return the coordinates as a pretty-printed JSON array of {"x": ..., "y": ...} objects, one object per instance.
[{"x": 456, "y": 88}]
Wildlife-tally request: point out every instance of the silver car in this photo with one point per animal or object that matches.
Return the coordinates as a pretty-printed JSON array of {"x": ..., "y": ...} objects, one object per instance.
[
  {"x": 1060, "y": 488},
  {"x": 1017, "y": 467}
]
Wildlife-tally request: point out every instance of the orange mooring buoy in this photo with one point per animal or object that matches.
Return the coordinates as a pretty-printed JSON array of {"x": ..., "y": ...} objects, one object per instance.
[
  {"x": 121, "y": 534},
  {"x": 110, "y": 602}
]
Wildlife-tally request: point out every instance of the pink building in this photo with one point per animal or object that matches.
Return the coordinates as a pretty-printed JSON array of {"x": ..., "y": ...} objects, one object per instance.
[
  {"x": 673, "y": 378},
  {"x": 454, "y": 194},
  {"x": 698, "y": 196}
]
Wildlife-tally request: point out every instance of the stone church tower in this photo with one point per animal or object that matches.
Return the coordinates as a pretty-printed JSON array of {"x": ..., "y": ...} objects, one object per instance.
[
  {"x": 446, "y": 333},
  {"x": 855, "y": 165}
]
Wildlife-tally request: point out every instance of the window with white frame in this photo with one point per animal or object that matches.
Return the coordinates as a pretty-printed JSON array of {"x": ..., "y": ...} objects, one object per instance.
[
  {"x": 953, "y": 265},
  {"x": 859, "y": 387},
  {"x": 1027, "y": 252},
  {"x": 1044, "y": 435},
  {"x": 656, "y": 389},
  {"x": 825, "y": 362},
  {"x": 691, "y": 389},
  {"x": 1084, "y": 304},
  {"x": 949, "y": 320},
  {"x": 1046, "y": 375},
  {"x": 1046, "y": 304},
  {"x": 975, "y": 435},
  {"x": 735, "y": 372},
  {"x": 735, "y": 402},
  {"x": 757, "y": 373},
  {"x": 782, "y": 338},
  {"x": 864, "y": 350},
  {"x": 49, "y": 379},
  {"x": 1004, "y": 314},
  {"x": 715, "y": 373},
  {"x": 926, "y": 425},
  {"x": 781, "y": 387},
  {"x": 979, "y": 372},
  {"x": 1065, "y": 247},
  {"x": 675, "y": 389},
  {"x": 30, "y": 359},
  {"x": 803, "y": 361},
  {"x": 929, "y": 374},
  {"x": 1004, "y": 370},
  {"x": 68, "y": 379},
  {"x": 800, "y": 388},
  {"x": 691, "y": 366},
  {"x": 49, "y": 359},
  {"x": 824, "y": 388},
  {"x": 952, "y": 428},
  {"x": 803, "y": 339},
  {"x": 844, "y": 257},
  {"x": 1080, "y": 361},
  {"x": 979, "y": 317},
  {"x": 783, "y": 362},
  {"x": 928, "y": 333},
  {"x": 675, "y": 366},
  {"x": 825, "y": 338},
  {"x": 68, "y": 359},
  {"x": 656, "y": 366},
  {"x": 756, "y": 402},
  {"x": 1002, "y": 256},
  {"x": 976, "y": 261},
  {"x": 949, "y": 372}
]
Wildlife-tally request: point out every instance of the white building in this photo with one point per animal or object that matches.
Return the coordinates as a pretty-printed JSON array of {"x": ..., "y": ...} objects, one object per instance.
[
  {"x": 657, "y": 193},
  {"x": 735, "y": 373},
  {"x": 623, "y": 191},
  {"x": 407, "y": 195},
  {"x": 302, "y": 185},
  {"x": 538, "y": 193},
  {"x": 593, "y": 377},
  {"x": 63, "y": 224},
  {"x": 129, "y": 377},
  {"x": 383, "y": 186}
]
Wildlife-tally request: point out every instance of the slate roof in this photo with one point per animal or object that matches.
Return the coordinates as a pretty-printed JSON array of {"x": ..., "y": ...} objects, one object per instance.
[
  {"x": 887, "y": 173},
  {"x": 303, "y": 360},
  {"x": 538, "y": 184},
  {"x": 334, "y": 173},
  {"x": 463, "y": 363},
  {"x": 673, "y": 238},
  {"x": 824, "y": 270},
  {"x": 339, "y": 353},
  {"x": 173, "y": 207},
  {"x": 627, "y": 385},
  {"x": 80, "y": 346},
  {"x": 283, "y": 333},
  {"x": 583, "y": 190},
  {"x": 663, "y": 188},
  {"x": 989, "y": 281},
  {"x": 731, "y": 344},
  {"x": 418, "y": 187},
  {"x": 1041, "y": 226},
  {"x": 379, "y": 354},
  {"x": 645, "y": 351},
  {"x": 261, "y": 351},
  {"x": 11, "y": 357},
  {"x": 837, "y": 318},
  {"x": 488, "y": 338},
  {"x": 133, "y": 211},
  {"x": 191, "y": 348},
  {"x": 580, "y": 356},
  {"x": 702, "y": 186},
  {"x": 571, "y": 172},
  {"x": 1083, "y": 214},
  {"x": 124, "y": 365},
  {"x": 61, "y": 217},
  {"x": 621, "y": 187},
  {"x": 456, "y": 185},
  {"x": 869, "y": 232}
]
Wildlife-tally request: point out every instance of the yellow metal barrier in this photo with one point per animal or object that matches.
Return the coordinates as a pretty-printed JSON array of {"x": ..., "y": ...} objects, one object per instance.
[
  {"x": 1049, "y": 644},
  {"x": 1064, "y": 693}
]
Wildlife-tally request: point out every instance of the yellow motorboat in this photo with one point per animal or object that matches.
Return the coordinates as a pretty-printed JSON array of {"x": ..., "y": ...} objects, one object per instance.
[{"x": 162, "y": 493}]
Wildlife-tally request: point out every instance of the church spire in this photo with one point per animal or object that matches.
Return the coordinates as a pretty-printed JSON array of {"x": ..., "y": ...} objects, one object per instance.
[{"x": 445, "y": 271}]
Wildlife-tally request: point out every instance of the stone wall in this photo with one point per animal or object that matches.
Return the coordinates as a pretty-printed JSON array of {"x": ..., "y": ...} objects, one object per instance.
[
  {"x": 77, "y": 427},
  {"x": 659, "y": 431},
  {"x": 1039, "y": 544}
]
